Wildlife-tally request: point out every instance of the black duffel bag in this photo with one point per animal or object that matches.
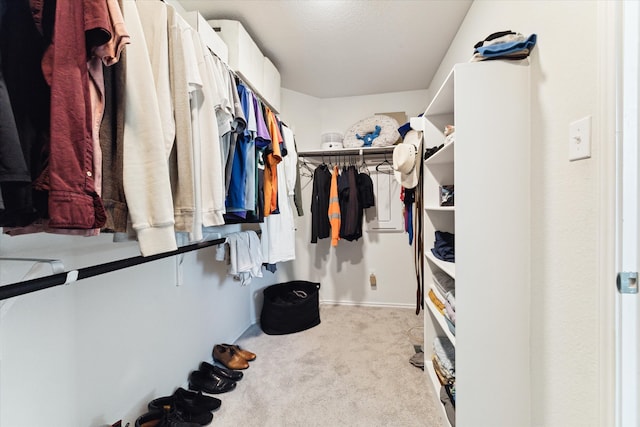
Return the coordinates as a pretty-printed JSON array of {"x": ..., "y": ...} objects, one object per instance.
[{"x": 290, "y": 307}]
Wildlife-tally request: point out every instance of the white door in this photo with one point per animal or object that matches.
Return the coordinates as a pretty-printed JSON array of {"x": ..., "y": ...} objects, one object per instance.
[{"x": 627, "y": 304}]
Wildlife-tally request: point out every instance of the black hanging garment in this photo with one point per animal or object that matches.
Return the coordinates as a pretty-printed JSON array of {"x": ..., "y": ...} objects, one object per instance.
[
  {"x": 22, "y": 46},
  {"x": 320, "y": 227},
  {"x": 350, "y": 207}
]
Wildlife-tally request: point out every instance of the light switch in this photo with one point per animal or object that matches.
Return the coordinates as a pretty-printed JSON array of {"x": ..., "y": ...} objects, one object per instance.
[{"x": 580, "y": 139}]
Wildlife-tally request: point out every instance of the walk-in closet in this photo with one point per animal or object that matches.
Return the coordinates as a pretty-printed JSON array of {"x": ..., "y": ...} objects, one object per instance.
[{"x": 312, "y": 213}]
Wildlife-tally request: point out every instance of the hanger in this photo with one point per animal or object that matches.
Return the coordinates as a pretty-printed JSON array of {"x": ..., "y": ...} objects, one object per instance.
[
  {"x": 305, "y": 169},
  {"x": 363, "y": 168},
  {"x": 386, "y": 164}
]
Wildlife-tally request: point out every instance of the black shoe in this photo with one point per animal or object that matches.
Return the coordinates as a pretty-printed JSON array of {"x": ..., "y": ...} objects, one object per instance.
[
  {"x": 220, "y": 371},
  {"x": 210, "y": 383},
  {"x": 188, "y": 412},
  {"x": 210, "y": 403},
  {"x": 164, "y": 418}
]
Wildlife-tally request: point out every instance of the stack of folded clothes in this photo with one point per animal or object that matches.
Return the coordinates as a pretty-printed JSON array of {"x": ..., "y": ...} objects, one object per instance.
[
  {"x": 504, "y": 45},
  {"x": 444, "y": 360},
  {"x": 444, "y": 246},
  {"x": 444, "y": 365},
  {"x": 444, "y": 290}
]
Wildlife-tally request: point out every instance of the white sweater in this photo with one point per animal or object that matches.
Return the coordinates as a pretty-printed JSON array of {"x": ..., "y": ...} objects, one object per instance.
[{"x": 145, "y": 170}]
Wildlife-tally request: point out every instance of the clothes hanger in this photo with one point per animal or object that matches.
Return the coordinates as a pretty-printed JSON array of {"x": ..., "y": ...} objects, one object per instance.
[
  {"x": 305, "y": 169},
  {"x": 363, "y": 168},
  {"x": 384, "y": 163}
]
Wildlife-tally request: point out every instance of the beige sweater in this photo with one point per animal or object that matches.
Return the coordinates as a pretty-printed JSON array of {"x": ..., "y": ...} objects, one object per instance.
[{"x": 145, "y": 170}]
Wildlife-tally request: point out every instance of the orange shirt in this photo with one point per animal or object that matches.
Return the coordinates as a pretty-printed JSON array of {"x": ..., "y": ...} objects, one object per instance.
[
  {"x": 271, "y": 161},
  {"x": 334, "y": 208}
]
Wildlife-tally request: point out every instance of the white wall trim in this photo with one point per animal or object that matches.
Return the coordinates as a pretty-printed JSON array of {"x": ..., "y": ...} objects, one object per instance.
[
  {"x": 607, "y": 60},
  {"x": 367, "y": 304}
]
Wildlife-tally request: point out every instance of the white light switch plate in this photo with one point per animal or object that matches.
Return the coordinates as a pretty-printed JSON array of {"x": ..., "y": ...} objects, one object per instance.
[{"x": 580, "y": 139}]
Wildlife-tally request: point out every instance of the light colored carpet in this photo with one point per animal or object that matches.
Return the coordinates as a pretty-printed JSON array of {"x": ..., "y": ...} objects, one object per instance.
[{"x": 351, "y": 370}]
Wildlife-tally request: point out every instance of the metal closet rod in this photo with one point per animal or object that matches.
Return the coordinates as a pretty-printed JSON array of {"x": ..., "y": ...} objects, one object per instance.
[
  {"x": 41, "y": 283},
  {"x": 347, "y": 151}
]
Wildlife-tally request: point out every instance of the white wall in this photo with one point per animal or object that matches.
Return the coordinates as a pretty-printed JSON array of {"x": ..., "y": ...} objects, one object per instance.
[
  {"x": 564, "y": 298},
  {"x": 344, "y": 271},
  {"x": 98, "y": 350}
]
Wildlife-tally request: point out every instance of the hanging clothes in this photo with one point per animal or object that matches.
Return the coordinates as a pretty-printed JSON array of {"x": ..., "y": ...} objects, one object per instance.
[
  {"x": 350, "y": 208},
  {"x": 271, "y": 160},
  {"x": 183, "y": 66},
  {"x": 101, "y": 58},
  {"x": 278, "y": 230},
  {"x": 22, "y": 47},
  {"x": 69, "y": 175},
  {"x": 334, "y": 208},
  {"x": 320, "y": 203},
  {"x": 243, "y": 254},
  {"x": 49, "y": 91},
  {"x": 207, "y": 151},
  {"x": 297, "y": 192},
  {"x": 251, "y": 181},
  {"x": 244, "y": 148},
  {"x": 262, "y": 141},
  {"x": 112, "y": 125},
  {"x": 408, "y": 198},
  {"x": 365, "y": 191},
  {"x": 238, "y": 125},
  {"x": 145, "y": 171}
]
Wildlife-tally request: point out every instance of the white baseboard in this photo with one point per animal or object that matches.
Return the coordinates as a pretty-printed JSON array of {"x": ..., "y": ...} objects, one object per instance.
[{"x": 368, "y": 304}]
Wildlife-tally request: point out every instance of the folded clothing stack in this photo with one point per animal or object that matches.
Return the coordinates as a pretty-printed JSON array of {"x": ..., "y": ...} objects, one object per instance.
[
  {"x": 444, "y": 290},
  {"x": 504, "y": 45},
  {"x": 444, "y": 360},
  {"x": 444, "y": 246}
]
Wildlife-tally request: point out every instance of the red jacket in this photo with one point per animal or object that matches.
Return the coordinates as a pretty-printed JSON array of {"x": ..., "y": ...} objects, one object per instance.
[{"x": 80, "y": 25}]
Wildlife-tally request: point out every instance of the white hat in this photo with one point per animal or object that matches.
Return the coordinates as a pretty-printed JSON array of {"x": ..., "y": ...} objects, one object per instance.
[{"x": 406, "y": 158}]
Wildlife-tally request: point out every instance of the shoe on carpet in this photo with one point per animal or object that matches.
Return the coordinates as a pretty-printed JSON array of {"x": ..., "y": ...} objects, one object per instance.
[
  {"x": 187, "y": 410},
  {"x": 164, "y": 418},
  {"x": 220, "y": 371},
  {"x": 210, "y": 383},
  {"x": 229, "y": 358},
  {"x": 246, "y": 355},
  {"x": 210, "y": 403}
]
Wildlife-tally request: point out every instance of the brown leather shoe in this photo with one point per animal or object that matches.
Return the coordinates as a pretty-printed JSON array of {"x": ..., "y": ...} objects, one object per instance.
[
  {"x": 246, "y": 355},
  {"x": 229, "y": 357}
]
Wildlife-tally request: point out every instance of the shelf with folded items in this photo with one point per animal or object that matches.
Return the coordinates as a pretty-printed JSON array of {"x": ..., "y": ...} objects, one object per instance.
[
  {"x": 433, "y": 378},
  {"x": 439, "y": 180},
  {"x": 445, "y": 155},
  {"x": 447, "y": 267},
  {"x": 439, "y": 318}
]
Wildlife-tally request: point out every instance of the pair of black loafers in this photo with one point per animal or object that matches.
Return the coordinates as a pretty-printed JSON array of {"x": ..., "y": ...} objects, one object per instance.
[
  {"x": 182, "y": 409},
  {"x": 213, "y": 379}
]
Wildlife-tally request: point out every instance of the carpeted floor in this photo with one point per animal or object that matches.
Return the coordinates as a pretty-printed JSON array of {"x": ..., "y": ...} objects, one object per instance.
[{"x": 351, "y": 370}]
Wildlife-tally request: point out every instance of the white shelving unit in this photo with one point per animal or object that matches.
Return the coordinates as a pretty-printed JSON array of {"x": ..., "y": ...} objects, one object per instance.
[{"x": 489, "y": 165}]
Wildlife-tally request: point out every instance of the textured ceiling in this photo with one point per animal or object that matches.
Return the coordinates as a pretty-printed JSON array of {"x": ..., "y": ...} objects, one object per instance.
[{"x": 336, "y": 48}]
